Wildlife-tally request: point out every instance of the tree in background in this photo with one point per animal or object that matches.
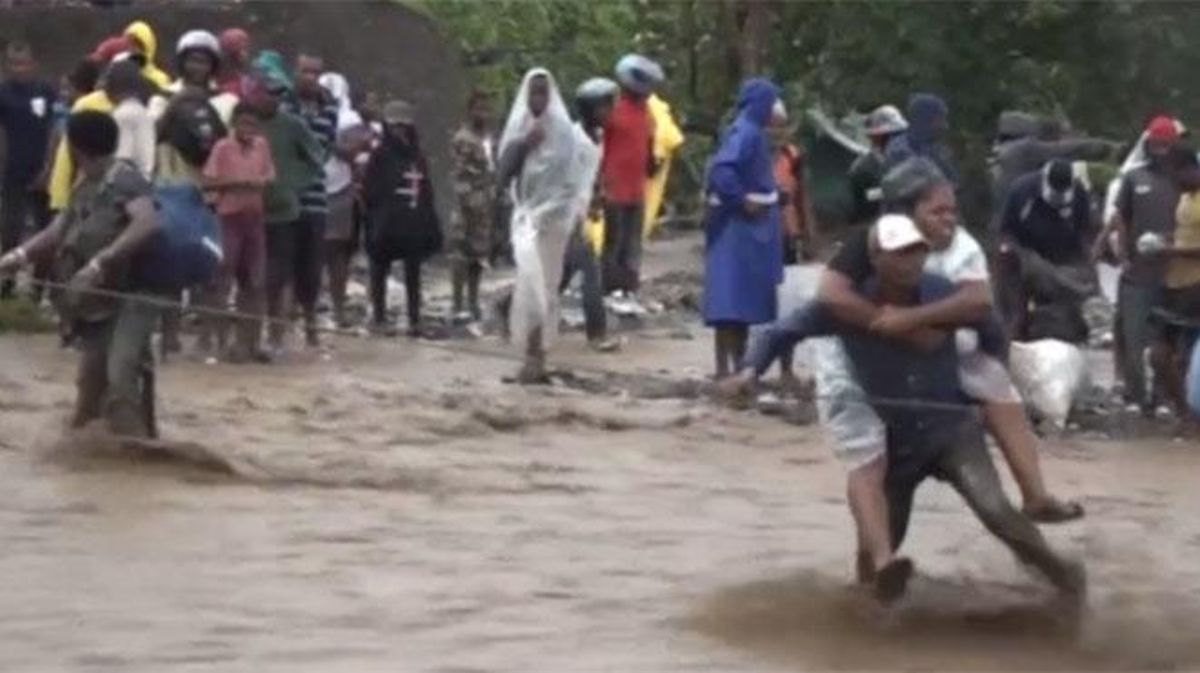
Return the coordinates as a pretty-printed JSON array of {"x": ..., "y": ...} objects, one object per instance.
[{"x": 1105, "y": 66}]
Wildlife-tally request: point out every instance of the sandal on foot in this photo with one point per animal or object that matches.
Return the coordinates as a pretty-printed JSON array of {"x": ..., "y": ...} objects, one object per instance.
[
  {"x": 1053, "y": 510},
  {"x": 605, "y": 345},
  {"x": 891, "y": 581}
]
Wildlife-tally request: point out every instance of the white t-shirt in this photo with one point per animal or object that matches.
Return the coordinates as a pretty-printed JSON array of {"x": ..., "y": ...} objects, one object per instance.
[
  {"x": 338, "y": 172},
  {"x": 962, "y": 262}
]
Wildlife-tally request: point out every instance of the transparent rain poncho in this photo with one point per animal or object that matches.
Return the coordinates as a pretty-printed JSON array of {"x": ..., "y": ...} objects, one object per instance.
[{"x": 550, "y": 196}]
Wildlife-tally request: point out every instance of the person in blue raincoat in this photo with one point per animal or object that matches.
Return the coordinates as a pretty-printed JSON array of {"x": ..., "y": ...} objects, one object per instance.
[
  {"x": 743, "y": 236},
  {"x": 928, "y": 121}
]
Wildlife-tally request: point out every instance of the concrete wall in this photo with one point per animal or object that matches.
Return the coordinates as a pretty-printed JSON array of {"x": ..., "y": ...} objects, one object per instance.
[{"x": 383, "y": 46}]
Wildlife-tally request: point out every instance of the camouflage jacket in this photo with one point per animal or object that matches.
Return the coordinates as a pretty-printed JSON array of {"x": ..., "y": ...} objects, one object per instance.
[{"x": 474, "y": 172}]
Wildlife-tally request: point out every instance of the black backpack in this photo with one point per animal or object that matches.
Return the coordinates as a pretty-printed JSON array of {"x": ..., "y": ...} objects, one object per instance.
[{"x": 192, "y": 126}]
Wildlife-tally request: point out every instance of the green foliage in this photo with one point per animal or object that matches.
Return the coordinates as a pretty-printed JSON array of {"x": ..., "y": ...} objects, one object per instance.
[
  {"x": 1105, "y": 66},
  {"x": 23, "y": 317},
  {"x": 501, "y": 39}
]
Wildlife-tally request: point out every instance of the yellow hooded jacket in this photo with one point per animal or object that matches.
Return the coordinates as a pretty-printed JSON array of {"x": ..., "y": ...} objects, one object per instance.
[
  {"x": 62, "y": 174},
  {"x": 668, "y": 138},
  {"x": 144, "y": 34}
]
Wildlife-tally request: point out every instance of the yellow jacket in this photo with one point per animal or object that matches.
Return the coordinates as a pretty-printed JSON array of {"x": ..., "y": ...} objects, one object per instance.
[
  {"x": 144, "y": 34},
  {"x": 1181, "y": 271},
  {"x": 62, "y": 174},
  {"x": 668, "y": 138}
]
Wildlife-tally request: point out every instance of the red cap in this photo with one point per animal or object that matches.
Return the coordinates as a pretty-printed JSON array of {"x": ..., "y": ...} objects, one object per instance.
[
  {"x": 109, "y": 48},
  {"x": 235, "y": 39},
  {"x": 1162, "y": 128}
]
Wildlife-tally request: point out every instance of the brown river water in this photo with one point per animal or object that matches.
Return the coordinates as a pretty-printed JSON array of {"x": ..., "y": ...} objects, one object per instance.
[{"x": 398, "y": 508}]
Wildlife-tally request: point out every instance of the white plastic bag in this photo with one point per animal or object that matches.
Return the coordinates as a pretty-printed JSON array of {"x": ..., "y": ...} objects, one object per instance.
[{"x": 1050, "y": 374}]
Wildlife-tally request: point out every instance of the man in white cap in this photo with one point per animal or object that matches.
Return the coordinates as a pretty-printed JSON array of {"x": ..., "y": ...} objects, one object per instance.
[
  {"x": 866, "y": 172},
  {"x": 918, "y": 394}
]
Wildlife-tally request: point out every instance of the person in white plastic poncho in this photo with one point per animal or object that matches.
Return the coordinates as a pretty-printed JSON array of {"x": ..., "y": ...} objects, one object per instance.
[{"x": 551, "y": 166}]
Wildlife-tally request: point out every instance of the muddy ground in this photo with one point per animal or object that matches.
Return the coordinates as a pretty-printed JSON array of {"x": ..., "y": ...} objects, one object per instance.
[{"x": 395, "y": 507}]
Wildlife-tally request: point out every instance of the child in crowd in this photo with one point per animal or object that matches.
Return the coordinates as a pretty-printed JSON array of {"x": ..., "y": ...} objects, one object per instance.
[{"x": 237, "y": 172}]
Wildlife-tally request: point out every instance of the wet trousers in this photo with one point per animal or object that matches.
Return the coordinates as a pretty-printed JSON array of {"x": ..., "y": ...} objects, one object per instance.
[
  {"x": 623, "y": 247},
  {"x": 961, "y": 459},
  {"x": 114, "y": 356},
  {"x": 582, "y": 260},
  {"x": 294, "y": 257},
  {"x": 243, "y": 239},
  {"x": 381, "y": 269},
  {"x": 1135, "y": 302}
]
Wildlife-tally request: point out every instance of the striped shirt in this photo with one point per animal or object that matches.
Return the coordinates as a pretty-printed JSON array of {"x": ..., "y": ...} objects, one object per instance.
[{"x": 321, "y": 119}]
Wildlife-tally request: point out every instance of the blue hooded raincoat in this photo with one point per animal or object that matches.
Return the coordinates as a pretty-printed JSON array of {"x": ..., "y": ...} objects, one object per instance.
[{"x": 743, "y": 256}]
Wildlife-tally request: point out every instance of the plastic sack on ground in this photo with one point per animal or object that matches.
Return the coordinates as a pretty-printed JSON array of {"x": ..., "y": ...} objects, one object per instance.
[{"x": 1050, "y": 374}]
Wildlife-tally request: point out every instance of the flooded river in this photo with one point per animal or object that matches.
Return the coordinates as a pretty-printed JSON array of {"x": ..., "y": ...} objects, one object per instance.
[{"x": 398, "y": 508}]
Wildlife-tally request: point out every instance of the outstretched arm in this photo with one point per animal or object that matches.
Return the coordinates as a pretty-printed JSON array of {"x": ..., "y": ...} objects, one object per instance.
[
  {"x": 810, "y": 320},
  {"x": 41, "y": 245},
  {"x": 1076, "y": 149}
]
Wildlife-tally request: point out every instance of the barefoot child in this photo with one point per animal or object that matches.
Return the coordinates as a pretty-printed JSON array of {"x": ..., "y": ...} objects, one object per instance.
[{"x": 237, "y": 171}]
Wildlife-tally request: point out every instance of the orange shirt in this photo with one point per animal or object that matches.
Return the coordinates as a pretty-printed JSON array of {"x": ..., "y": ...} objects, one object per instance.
[{"x": 789, "y": 169}]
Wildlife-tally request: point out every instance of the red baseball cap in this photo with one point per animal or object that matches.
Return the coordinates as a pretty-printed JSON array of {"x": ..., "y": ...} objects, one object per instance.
[
  {"x": 235, "y": 40},
  {"x": 109, "y": 48},
  {"x": 1163, "y": 129}
]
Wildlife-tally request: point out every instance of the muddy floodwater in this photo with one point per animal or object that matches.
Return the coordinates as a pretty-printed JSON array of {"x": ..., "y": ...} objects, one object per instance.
[{"x": 395, "y": 507}]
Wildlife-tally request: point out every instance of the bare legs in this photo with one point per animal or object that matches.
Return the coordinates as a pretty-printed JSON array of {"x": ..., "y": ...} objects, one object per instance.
[{"x": 730, "y": 347}]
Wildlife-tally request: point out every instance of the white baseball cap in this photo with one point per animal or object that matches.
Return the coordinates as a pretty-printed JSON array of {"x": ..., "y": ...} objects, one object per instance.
[{"x": 897, "y": 232}]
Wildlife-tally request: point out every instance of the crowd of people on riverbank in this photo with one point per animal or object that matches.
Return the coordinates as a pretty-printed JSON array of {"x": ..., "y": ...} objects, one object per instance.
[
  {"x": 243, "y": 176},
  {"x": 253, "y": 178},
  {"x": 304, "y": 172}
]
